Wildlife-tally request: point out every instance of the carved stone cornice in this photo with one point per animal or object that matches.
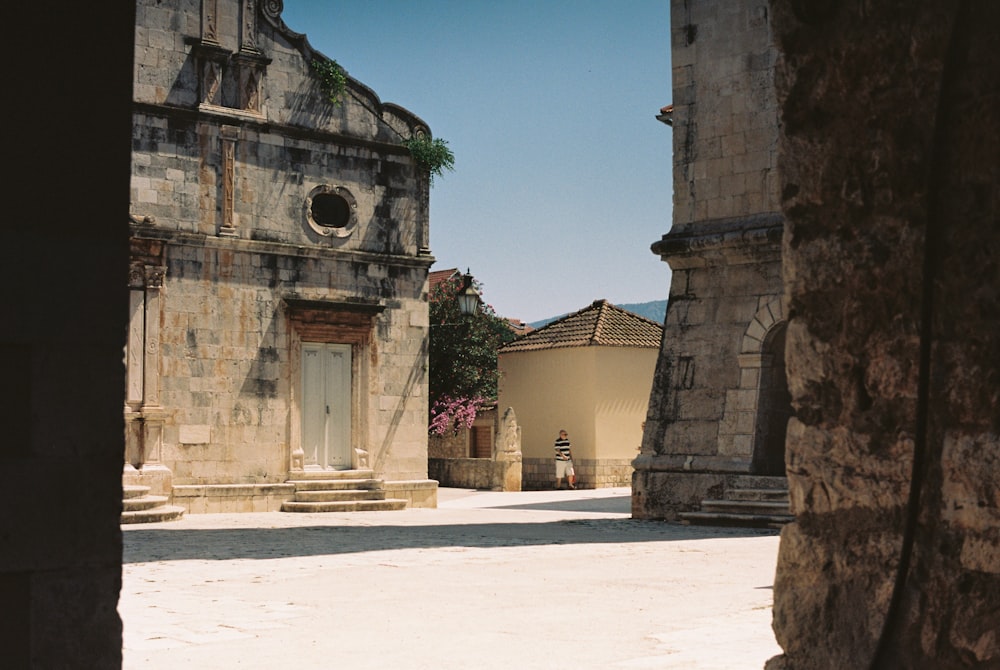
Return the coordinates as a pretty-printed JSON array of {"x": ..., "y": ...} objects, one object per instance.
[{"x": 751, "y": 239}]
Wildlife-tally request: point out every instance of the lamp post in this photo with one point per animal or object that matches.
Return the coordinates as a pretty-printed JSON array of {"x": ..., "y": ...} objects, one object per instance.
[{"x": 468, "y": 296}]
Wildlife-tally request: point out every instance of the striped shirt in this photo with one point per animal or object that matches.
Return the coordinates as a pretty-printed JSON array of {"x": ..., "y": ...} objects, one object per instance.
[{"x": 562, "y": 449}]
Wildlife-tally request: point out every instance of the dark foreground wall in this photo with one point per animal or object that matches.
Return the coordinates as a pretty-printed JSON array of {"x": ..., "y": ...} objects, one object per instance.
[
  {"x": 890, "y": 116},
  {"x": 63, "y": 260}
]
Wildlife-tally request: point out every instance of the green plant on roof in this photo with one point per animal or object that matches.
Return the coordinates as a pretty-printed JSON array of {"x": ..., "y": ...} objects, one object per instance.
[
  {"x": 432, "y": 155},
  {"x": 332, "y": 78}
]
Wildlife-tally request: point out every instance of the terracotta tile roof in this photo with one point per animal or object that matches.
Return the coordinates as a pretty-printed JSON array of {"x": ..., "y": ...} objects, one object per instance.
[
  {"x": 600, "y": 324},
  {"x": 435, "y": 278},
  {"x": 519, "y": 327}
]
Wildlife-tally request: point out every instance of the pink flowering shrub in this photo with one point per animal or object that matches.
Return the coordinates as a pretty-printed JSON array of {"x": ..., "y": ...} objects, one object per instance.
[{"x": 452, "y": 414}]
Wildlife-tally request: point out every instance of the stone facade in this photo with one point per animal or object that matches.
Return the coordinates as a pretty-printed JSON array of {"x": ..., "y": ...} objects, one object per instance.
[
  {"x": 719, "y": 400},
  {"x": 279, "y": 266},
  {"x": 892, "y": 272}
]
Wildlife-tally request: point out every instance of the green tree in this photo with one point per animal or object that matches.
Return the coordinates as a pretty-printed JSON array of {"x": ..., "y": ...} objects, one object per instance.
[{"x": 463, "y": 375}]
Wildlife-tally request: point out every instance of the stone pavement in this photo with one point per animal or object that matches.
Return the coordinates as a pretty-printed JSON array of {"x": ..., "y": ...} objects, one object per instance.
[{"x": 535, "y": 579}]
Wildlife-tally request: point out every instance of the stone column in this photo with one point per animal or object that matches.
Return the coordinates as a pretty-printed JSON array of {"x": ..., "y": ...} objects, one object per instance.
[{"x": 144, "y": 415}]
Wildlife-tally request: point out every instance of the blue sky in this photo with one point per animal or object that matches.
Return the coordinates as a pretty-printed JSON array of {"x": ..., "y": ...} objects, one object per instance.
[{"x": 562, "y": 172}]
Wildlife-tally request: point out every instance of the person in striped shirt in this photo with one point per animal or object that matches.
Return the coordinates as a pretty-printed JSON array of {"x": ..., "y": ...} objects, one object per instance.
[{"x": 564, "y": 461}]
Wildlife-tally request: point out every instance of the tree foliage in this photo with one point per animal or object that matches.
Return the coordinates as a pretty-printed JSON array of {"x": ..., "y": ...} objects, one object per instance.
[
  {"x": 462, "y": 358},
  {"x": 432, "y": 155},
  {"x": 332, "y": 78}
]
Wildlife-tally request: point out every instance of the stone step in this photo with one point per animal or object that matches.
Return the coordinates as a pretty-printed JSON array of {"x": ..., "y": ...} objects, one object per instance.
[
  {"x": 739, "y": 520},
  {"x": 153, "y": 515},
  {"x": 143, "y": 503},
  {"x": 745, "y": 506},
  {"x": 759, "y": 482},
  {"x": 335, "y": 484},
  {"x": 310, "y": 475},
  {"x": 388, "y": 504},
  {"x": 772, "y": 495},
  {"x": 130, "y": 491},
  {"x": 338, "y": 495}
]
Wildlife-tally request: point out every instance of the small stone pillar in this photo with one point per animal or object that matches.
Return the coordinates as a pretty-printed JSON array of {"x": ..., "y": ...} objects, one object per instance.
[
  {"x": 507, "y": 452},
  {"x": 144, "y": 416}
]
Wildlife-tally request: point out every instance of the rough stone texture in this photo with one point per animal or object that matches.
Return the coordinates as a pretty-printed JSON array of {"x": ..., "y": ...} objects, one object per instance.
[
  {"x": 63, "y": 306},
  {"x": 891, "y": 132},
  {"x": 233, "y": 142},
  {"x": 712, "y": 394}
]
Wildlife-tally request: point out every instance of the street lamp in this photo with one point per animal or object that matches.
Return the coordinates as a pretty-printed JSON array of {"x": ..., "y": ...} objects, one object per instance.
[{"x": 468, "y": 296}]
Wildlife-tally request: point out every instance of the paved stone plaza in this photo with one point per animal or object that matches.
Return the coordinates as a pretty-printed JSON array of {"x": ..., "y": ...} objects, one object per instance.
[{"x": 542, "y": 579}]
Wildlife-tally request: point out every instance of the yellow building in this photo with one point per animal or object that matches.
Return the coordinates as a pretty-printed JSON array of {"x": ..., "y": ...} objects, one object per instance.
[{"x": 588, "y": 373}]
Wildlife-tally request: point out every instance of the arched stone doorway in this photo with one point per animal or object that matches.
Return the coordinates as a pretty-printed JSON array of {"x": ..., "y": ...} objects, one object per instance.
[
  {"x": 757, "y": 411},
  {"x": 774, "y": 406}
]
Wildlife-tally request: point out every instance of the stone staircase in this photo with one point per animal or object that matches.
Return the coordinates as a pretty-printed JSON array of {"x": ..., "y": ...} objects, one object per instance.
[
  {"x": 338, "y": 491},
  {"x": 140, "y": 507},
  {"x": 751, "y": 501}
]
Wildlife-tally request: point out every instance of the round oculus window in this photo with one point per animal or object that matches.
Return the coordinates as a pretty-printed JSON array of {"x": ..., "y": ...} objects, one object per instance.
[{"x": 331, "y": 210}]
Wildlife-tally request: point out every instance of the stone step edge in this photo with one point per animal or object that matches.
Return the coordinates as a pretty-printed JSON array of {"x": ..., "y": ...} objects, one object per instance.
[
  {"x": 143, "y": 503},
  {"x": 744, "y": 519},
  {"x": 154, "y": 515},
  {"x": 304, "y": 475},
  {"x": 339, "y": 495},
  {"x": 130, "y": 491},
  {"x": 757, "y": 494},
  {"x": 335, "y": 484},
  {"x": 763, "y": 504},
  {"x": 389, "y": 504}
]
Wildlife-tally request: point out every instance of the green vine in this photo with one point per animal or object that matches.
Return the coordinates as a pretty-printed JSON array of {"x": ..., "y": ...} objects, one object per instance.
[
  {"x": 431, "y": 154},
  {"x": 332, "y": 79}
]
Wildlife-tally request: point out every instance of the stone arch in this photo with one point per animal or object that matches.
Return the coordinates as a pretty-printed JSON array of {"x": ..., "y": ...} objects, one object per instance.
[
  {"x": 774, "y": 405},
  {"x": 756, "y": 412}
]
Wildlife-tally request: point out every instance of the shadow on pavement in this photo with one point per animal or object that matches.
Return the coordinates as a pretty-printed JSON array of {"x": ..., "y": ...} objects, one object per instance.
[
  {"x": 619, "y": 505},
  {"x": 175, "y": 544}
]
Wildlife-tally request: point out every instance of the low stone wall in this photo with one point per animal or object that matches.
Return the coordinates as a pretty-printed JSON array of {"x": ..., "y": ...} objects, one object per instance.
[
  {"x": 417, "y": 492},
  {"x": 225, "y": 498},
  {"x": 476, "y": 473},
  {"x": 540, "y": 473}
]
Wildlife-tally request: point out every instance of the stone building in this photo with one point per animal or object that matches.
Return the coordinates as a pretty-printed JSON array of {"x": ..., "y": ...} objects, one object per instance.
[
  {"x": 852, "y": 329},
  {"x": 279, "y": 262},
  {"x": 590, "y": 374},
  {"x": 719, "y": 402}
]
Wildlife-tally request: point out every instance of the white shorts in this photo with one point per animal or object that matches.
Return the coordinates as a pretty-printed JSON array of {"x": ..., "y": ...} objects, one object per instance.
[{"x": 564, "y": 469}]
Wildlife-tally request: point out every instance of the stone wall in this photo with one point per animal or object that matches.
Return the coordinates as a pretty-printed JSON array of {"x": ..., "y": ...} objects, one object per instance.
[
  {"x": 237, "y": 266},
  {"x": 501, "y": 471},
  {"x": 724, "y": 250},
  {"x": 540, "y": 473},
  {"x": 472, "y": 473},
  {"x": 891, "y": 133}
]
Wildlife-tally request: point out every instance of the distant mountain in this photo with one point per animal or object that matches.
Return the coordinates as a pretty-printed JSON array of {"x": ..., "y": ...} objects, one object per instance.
[{"x": 655, "y": 310}]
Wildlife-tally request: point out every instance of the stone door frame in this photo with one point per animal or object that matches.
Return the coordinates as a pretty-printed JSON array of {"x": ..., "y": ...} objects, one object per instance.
[
  {"x": 332, "y": 322},
  {"x": 738, "y": 430}
]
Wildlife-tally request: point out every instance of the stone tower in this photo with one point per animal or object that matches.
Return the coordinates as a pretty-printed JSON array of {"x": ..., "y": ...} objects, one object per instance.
[{"x": 719, "y": 402}]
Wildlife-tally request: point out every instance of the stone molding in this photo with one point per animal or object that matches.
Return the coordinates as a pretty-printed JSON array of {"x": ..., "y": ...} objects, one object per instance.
[
  {"x": 751, "y": 239},
  {"x": 242, "y": 245}
]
